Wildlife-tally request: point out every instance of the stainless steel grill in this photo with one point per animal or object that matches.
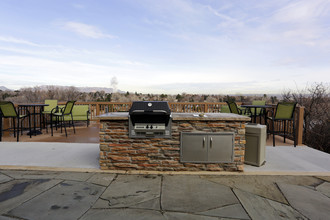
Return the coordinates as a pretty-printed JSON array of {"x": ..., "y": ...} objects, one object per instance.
[{"x": 150, "y": 120}]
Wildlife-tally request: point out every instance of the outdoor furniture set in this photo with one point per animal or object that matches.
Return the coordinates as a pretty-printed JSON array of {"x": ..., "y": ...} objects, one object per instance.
[
  {"x": 49, "y": 112},
  {"x": 68, "y": 113},
  {"x": 276, "y": 119}
]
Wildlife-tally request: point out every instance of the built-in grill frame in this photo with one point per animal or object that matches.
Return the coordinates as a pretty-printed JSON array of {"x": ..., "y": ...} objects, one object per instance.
[{"x": 150, "y": 119}]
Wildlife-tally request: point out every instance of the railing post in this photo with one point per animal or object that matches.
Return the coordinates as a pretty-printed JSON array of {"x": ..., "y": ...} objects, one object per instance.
[
  {"x": 97, "y": 109},
  {"x": 300, "y": 125},
  {"x": 206, "y": 108}
]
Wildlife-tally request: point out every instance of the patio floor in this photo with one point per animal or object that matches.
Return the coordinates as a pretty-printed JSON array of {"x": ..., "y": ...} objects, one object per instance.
[{"x": 81, "y": 151}]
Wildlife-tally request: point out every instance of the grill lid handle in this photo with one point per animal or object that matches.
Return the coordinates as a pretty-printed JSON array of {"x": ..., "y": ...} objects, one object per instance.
[
  {"x": 160, "y": 111},
  {"x": 138, "y": 111}
]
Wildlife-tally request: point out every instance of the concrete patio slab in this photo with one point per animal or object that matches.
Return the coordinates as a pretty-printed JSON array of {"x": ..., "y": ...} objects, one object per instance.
[
  {"x": 309, "y": 202},
  {"x": 293, "y": 159},
  {"x": 67, "y": 200},
  {"x": 81, "y": 151},
  {"x": 71, "y": 156},
  {"x": 46, "y": 154}
]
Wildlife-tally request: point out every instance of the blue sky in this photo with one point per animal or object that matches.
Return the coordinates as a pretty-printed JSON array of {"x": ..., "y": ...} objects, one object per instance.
[{"x": 166, "y": 46}]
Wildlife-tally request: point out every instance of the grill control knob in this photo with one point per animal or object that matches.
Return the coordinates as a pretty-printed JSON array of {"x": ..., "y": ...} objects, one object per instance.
[
  {"x": 150, "y": 126},
  {"x": 147, "y": 126}
]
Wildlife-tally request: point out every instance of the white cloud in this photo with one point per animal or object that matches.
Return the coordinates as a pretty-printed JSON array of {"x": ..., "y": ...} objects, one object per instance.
[
  {"x": 17, "y": 41},
  {"x": 302, "y": 22},
  {"x": 218, "y": 14},
  {"x": 303, "y": 11},
  {"x": 86, "y": 30}
]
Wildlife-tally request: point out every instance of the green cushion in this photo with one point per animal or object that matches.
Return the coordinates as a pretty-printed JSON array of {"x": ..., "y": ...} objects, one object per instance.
[
  {"x": 224, "y": 109},
  {"x": 51, "y": 104},
  {"x": 285, "y": 110},
  {"x": 257, "y": 102},
  {"x": 69, "y": 105},
  {"x": 233, "y": 107},
  {"x": 79, "y": 113},
  {"x": 8, "y": 109}
]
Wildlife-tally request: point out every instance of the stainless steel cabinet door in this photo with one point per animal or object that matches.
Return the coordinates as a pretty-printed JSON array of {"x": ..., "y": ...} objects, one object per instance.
[
  {"x": 221, "y": 148},
  {"x": 193, "y": 147}
]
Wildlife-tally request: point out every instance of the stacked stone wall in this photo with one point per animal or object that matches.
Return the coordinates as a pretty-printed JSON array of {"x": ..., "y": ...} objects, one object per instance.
[{"x": 119, "y": 152}]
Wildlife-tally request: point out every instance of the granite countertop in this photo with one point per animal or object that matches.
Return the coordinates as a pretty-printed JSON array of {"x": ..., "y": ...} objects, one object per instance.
[
  {"x": 209, "y": 117},
  {"x": 113, "y": 116},
  {"x": 182, "y": 116}
]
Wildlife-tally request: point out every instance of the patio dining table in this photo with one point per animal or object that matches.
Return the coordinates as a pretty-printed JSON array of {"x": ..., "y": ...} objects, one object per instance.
[
  {"x": 255, "y": 109},
  {"x": 34, "y": 113}
]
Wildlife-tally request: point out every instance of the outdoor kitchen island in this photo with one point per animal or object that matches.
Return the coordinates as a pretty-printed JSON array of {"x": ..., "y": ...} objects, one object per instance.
[{"x": 197, "y": 142}]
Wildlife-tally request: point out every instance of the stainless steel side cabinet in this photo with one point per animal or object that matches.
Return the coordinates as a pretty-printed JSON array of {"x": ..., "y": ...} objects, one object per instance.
[{"x": 213, "y": 147}]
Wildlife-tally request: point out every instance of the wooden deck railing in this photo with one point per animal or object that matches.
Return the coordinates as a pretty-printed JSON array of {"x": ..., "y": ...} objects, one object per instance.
[{"x": 98, "y": 108}]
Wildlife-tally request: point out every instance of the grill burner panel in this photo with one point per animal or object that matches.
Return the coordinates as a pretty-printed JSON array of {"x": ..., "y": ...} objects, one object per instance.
[
  {"x": 150, "y": 119},
  {"x": 149, "y": 127}
]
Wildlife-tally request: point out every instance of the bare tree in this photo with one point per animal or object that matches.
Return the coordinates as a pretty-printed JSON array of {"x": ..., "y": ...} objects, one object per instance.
[
  {"x": 71, "y": 93},
  {"x": 316, "y": 100}
]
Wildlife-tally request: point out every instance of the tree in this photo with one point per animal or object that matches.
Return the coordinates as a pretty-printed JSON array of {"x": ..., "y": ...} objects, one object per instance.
[
  {"x": 316, "y": 100},
  {"x": 179, "y": 97},
  {"x": 163, "y": 96},
  {"x": 230, "y": 98},
  {"x": 273, "y": 99}
]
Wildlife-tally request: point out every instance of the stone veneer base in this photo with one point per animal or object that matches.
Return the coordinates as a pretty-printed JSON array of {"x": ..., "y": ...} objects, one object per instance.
[{"x": 119, "y": 152}]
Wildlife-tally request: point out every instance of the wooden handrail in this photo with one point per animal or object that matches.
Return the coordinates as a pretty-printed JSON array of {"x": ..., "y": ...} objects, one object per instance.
[{"x": 98, "y": 108}]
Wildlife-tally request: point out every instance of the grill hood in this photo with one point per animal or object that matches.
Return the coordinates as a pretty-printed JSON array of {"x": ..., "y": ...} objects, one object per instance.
[{"x": 150, "y": 119}]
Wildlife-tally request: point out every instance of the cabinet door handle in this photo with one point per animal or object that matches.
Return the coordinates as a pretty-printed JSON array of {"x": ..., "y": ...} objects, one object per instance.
[
  {"x": 204, "y": 142},
  {"x": 211, "y": 140}
]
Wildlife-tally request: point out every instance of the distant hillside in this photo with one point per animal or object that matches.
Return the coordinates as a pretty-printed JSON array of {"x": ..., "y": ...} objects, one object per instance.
[{"x": 3, "y": 88}]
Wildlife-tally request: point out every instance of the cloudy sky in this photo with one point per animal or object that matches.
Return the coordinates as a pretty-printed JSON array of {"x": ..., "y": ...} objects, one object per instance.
[{"x": 166, "y": 46}]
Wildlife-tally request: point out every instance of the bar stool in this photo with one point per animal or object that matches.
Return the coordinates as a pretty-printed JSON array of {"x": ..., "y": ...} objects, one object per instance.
[{"x": 8, "y": 111}]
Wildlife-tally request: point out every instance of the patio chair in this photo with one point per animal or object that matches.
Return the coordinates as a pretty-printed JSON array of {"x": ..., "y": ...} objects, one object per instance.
[
  {"x": 48, "y": 110},
  {"x": 260, "y": 111},
  {"x": 224, "y": 109},
  {"x": 8, "y": 110},
  {"x": 234, "y": 109},
  {"x": 59, "y": 115},
  {"x": 284, "y": 112}
]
